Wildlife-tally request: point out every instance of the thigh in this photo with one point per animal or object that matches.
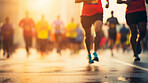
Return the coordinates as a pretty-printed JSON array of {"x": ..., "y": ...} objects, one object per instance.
[
  {"x": 142, "y": 26},
  {"x": 133, "y": 29},
  {"x": 86, "y": 24},
  {"x": 97, "y": 20},
  {"x": 98, "y": 25}
]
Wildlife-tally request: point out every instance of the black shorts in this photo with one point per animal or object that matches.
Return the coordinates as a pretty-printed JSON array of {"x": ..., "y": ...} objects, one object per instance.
[
  {"x": 112, "y": 34},
  {"x": 87, "y": 21},
  {"x": 72, "y": 40},
  {"x": 123, "y": 39},
  {"x": 136, "y": 17}
]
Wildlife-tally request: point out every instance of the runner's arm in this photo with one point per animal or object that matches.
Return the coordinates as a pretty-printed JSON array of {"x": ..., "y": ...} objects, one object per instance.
[
  {"x": 107, "y": 5},
  {"x": 21, "y": 23},
  {"x": 107, "y": 22}
]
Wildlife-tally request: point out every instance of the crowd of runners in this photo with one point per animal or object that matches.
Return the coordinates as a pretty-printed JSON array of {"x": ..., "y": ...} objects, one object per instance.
[
  {"x": 47, "y": 36},
  {"x": 70, "y": 36}
]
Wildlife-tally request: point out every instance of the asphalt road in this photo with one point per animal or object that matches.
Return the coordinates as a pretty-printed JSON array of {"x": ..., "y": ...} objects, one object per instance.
[{"x": 68, "y": 68}]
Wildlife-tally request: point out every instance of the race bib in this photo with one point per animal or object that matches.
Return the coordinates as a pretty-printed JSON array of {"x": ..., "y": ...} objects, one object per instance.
[
  {"x": 93, "y": 2},
  {"x": 112, "y": 25}
]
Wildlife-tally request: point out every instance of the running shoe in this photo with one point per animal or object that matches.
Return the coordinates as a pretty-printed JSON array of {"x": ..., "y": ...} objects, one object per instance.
[
  {"x": 139, "y": 49},
  {"x": 8, "y": 55},
  {"x": 136, "y": 57},
  {"x": 95, "y": 56},
  {"x": 90, "y": 61}
]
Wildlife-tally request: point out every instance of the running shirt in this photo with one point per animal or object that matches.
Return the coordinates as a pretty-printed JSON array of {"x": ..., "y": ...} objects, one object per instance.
[
  {"x": 43, "y": 29},
  {"x": 71, "y": 30},
  {"x": 113, "y": 21},
  {"x": 136, "y": 5},
  {"x": 27, "y": 24},
  {"x": 90, "y": 9},
  {"x": 7, "y": 31},
  {"x": 58, "y": 25}
]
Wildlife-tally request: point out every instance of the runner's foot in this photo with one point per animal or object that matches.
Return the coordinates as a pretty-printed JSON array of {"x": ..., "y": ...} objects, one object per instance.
[
  {"x": 95, "y": 56},
  {"x": 136, "y": 57},
  {"x": 90, "y": 61}
]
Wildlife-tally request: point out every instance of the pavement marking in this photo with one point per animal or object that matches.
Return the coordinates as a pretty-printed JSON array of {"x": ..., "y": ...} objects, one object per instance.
[{"x": 128, "y": 64}]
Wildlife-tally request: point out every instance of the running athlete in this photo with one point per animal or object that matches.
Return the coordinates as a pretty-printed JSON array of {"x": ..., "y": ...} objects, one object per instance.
[
  {"x": 58, "y": 26},
  {"x": 92, "y": 14},
  {"x": 124, "y": 32},
  {"x": 28, "y": 25},
  {"x": 79, "y": 38},
  {"x": 112, "y": 32},
  {"x": 43, "y": 31},
  {"x": 71, "y": 34},
  {"x": 136, "y": 19},
  {"x": 7, "y": 32}
]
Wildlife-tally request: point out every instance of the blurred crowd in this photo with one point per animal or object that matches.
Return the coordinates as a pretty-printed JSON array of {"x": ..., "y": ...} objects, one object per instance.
[
  {"x": 47, "y": 36},
  {"x": 57, "y": 35}
]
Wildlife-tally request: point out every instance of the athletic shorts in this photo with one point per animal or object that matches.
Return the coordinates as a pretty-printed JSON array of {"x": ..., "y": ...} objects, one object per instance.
[
  {"x": 136, "y": 17},
  {"x": 87, "y": 21},
  {"x": 72, "y": 40},
  {"x": 123, "y": 39},
  {"x": 112, "y": 34}
]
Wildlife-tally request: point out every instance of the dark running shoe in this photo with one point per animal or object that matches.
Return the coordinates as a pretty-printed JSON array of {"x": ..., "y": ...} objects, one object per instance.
[
  {"x": 91, "y": 61},
  {"x": 96, "y": 59},
  {"x": 8, "y": 55},
  {"x": 95, "y": 56},
  {"x": 136, "y": 57}
]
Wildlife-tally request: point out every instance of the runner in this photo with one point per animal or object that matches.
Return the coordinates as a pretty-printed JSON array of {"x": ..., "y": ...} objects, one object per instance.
[
  {"x": 136, "y": 19},
  {"x": 7, "y": 32},
  {"x": 79, "y": 38},
  {"x": 27, "y": 25},
  {"x": 58, "y": 26},
  {"x": 71, "y": 34},
  {"x": 124, "y": 32},
  {"x": 43, "y": 31},
  {"x": 92, "y": 13},
  {"x": 112, "y": 32}
]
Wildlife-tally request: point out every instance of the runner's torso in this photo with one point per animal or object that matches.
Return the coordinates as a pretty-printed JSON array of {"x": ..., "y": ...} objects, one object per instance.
[
  {"x": 112, "y": 22},
  {"x": 58, "y": 26},
  {"x": 27, "y": 24},
  {"x": 136, "y": 5},
  {"x": 7, "y": 31},
  {"x": 91, "y": 9}
]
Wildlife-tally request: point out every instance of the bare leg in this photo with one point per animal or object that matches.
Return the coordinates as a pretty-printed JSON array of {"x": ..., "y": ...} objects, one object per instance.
[
  {"x": 134, "y": 32},
  {"x": 98, "y": 27}
]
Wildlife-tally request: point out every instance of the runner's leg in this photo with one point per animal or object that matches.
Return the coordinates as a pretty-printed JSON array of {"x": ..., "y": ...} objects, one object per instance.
[{"x": 98, "y": 27}]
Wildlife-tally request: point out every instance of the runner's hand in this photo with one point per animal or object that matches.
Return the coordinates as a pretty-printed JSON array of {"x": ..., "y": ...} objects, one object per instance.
[{"x": 107, "y": 5}]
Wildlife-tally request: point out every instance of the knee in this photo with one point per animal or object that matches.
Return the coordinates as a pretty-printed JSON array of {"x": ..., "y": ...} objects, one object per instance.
[{"x": 98, "y": 33}]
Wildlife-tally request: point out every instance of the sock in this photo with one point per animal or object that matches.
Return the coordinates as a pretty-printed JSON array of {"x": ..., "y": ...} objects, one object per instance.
[
  {"x": 95, "y": 54},
  {"x": 89, "y": 57}
]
